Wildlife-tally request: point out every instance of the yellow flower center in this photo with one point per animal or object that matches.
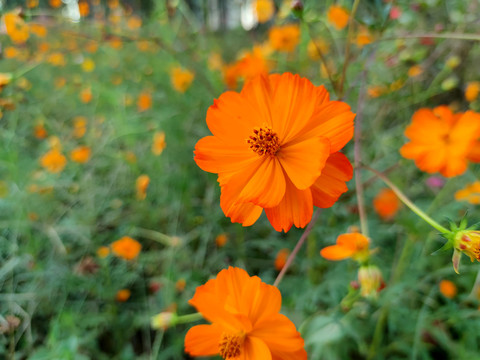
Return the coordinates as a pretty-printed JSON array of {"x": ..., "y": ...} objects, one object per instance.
[
  {"x": 231, "y": 345},
  {"x": 470, "y": 246},
  {"x": 264, "y": 141}
]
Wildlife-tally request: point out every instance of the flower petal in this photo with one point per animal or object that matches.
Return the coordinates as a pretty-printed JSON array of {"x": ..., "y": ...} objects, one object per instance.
[
  {"x": 203, "y": 340},
  {"x": 303, "y": 161},
  {"x": 337, "y": 252},
  {"x": 263, "y": 300},
  {"x": 331, "y": 184},
  {"x": 296, "y": 208},
  {"x": 255, "y": 349}
]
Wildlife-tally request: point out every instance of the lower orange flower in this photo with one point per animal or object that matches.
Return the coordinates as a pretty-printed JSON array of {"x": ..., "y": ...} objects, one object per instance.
[
  {"x": 353, "y": 245},
  {"x": 246, "y": 323}
]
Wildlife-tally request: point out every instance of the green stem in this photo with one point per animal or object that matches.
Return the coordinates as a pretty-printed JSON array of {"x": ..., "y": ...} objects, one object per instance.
[
  {"x": 407, "y": 202},
  {"x": 185, "y": 319}
]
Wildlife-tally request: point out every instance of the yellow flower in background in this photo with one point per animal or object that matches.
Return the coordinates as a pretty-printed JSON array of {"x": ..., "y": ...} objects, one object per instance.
[
  {"x": 180, "y": 285},
  {"x": 159, "y": 143},
  {"x": 86, "y": 95},
  {"x": 11, "y": 52},
  {"x": 284, "y": 38},
  {"x": 338, "y": 17},
  {"x": 448, "y": 289},
  {"x": 17, "y": 29},
  {"x": 467, "y": 242},
  {"x": 163, "y": 320},
  {"x": 181, "y": 79},
  {"x": 142, "y": 185},
  {"x": 103, "y": 252},
  {"x": 371, "y": 281},
  {"x": 5, "y": 79},
  {"x": 316, "y": 47},
  {"x": 79, "y": 126},
  {"x": 134, "y": 22},
  {"x": 215, "y": 61},
  {"x": 54, "y": 143},
  {"x": 80, "y": 154},
  {"x": 53, "y": 161},
  {"x": 144, "y": 101},
  {"x": 470, "y": 193},
  {"x": 126, "y": 248},
  {"x": 264, "y": 10},
  {"x": 472, "y": 90},
  {"x": 88, "y": 65}
]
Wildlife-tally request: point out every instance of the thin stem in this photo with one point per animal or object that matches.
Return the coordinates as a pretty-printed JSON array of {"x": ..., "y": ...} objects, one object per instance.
[
  {"x": 455, "y": 36},
  {"x": 347, "y": 48},
  {"x": 297, "y": 247},
  {"x": 407, "y": 202}
]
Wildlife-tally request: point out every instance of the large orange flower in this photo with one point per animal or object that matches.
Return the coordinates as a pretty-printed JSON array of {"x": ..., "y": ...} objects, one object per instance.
[
  {"x": 441, "y": 141},
  {"x": 246, "y": 323},
  {"x": 275, "y": 146}
]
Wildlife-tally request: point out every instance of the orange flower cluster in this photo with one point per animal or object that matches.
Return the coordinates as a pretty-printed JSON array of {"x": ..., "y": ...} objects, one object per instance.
[
  {"x": 386, "y": 204},
  {"x": 53, "y": 161},
  {"x": 264, "y": 10},
  {"x": 246, "y": 320},
  {"x": 284, "y": 38},
  {"x": 338, "y": 17},
  {"x": 275, "y": 146},
  {"x": 159, "y": 143},
  {"x": 142, "y": 185},
  {"x": 126, "y": 248},
  {"x": 17, "y": 29},
  {"x": 441, "y": 141}
]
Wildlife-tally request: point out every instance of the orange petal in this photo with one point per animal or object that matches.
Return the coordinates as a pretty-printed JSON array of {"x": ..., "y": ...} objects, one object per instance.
[
  {"x": 203, "y": 340},
  {"x": 336, "y": 252},
  {"x": 279, "y": 333},
  {"x": 216, "y": 156},
  {"x": 257, "y": 93},
  {"x": 254, "y": 349},
  {"x": 296, "y": 208},
  {"x": 303, "y": 161},
  {"x": 263, "y": 300},
  {"x": 433, "y": 160},
  {"x": 331, "y": 184},
  {"x": 245, "y": 213},
  {"x": 356, "y": 241}
]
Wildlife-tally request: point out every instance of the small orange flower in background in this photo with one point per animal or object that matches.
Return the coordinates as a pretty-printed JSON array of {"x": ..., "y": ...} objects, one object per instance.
[
  {"x": 80, "y": 154},
  {"x": 56, "y": 59},
  {"x": 253, "y": 63},
  {"x": 17, "y": 29},
  {"x": 159, "y": 144},
  {"x": 231, "y": 74},
  {"x": 448, "y": 289},
  {"x": 386, "y": 204},
  {"x": 53, "y": 161},
  {"x": 134, "y": 22},
  {"x": 83, "y": 8},
  {"x": 39, "y": 30},
  {"x": 103, "y": 252},
  {"x": 11, "y": 52},
  {"x": 86, "y": 95},
  {"x": 221, "y": 240},
  {"x": 375, "y": 91},
  {"x": 181, "y": 79},
  {"x": 245, "y": 320},
  {"x": 338, "y": 17},
  {"x": 215, "y": 61},
  {"x": 126, "y": 248},
  {"x": 91, "y": 47},
  {"x": 284, "y": 38},
  {"x": 472, "y": 90},
  {"x": 55, "y": 3},
  {"x": 264, "y": 10},
  {"x": 60, "y": 82},
  {"x": 40, "y": 132},
  {"x": 5, "y": 79},
  {"x": 363, "y": 38},
  {"x": 281, "y": 153},
  {"x": 79, "y": 126},
  {"x": 32, "y": 4},
  {"x": 441, "y": 141},
  {"x": 415, "y": 71},
  {"x": 470, "y": 193},
  {"x": 142, "y": 185},
  {"x": 351, "y": 245},
  {"x": 281, "y": 259},
  {"x": 88, "y": 65},
  {"x": 123, "y": 295},
  {"x": 180, "y": 285},
  {"x": 144, "y": 101}
]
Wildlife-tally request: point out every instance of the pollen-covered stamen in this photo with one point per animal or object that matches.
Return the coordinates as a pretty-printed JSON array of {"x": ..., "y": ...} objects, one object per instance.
[
  {"x": 264, "y": 141},
  {"x": 230, "y": 346}
]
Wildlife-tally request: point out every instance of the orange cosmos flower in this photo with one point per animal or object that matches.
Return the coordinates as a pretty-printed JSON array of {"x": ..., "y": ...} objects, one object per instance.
[
  {"x": 253, "y": 63},
  {"x": 352, "y": 245},
  {"x": 40, "y": 132},
  {"x": 79, "y": 126},
  {"x": 181, "y": 79},
  {"x": 126, "y": 248},
  {"x": 441, "y": 141},
  {"x": 123, "y": 295},
  {"x": 470, "y": 193},
  {"x": 415, "y": 71},
  {"x": 144, "y": 101},
  {"x": 11, "y": 52},
  {"x": 284, "y": 38},
  {"x": 39, "y": 30},
  {"x": 264, "y": 9},
  {"x": 221, "y": 240},
  {"x": 83, "y": 8},
  {"x": 448, "y": 289},
  {"x": 275, "y": 146},
  {"x": 338, "y": 17},
  {"x": 231, "y": 73},
  {"x": 246, "y": 320},
  {"x": 55, "y": 3},
  {"x": 281, "y": 259},
  {"x": 80, "y": 154},
  {"x": 386, "y": 204},
  {"x": 472, "y": 90},
  {"x": 86, "y": 95},
  {"x": 53, "y": 161},
  {"x": 142, "y": 185},
  {"x": 159, "y": 143},
  {"x": 16, "y": 28}
]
